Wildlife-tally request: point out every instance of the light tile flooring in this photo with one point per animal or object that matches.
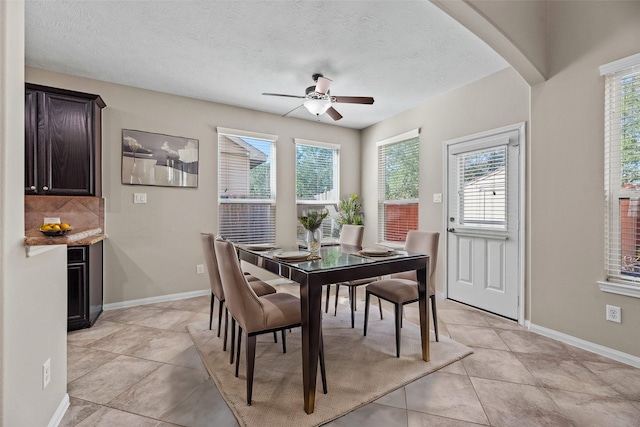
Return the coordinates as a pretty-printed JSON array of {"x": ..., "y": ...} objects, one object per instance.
[{"x": 138, "y": 367}]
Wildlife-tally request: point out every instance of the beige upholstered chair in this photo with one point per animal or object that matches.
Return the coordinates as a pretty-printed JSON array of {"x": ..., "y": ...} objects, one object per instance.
[
  {"x": 255, "y": 314},
  {"x": 259, "y": 287},
  {"x": 350, "y": 235},
  {"x": 402, "y": 288}
]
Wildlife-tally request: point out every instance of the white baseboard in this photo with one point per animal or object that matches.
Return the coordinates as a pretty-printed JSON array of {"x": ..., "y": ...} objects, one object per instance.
[
  {"x": 62, "y": 408},
  {"x": 152, "y": 300},
  {"x": 586, "y": 345}
]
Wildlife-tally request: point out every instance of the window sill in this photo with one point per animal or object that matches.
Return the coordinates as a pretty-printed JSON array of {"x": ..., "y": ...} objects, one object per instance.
[{"x": 620, "y": 289}]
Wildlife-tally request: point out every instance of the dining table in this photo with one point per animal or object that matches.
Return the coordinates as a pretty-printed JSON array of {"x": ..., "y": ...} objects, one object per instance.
[{"x": 336, "y": 264}]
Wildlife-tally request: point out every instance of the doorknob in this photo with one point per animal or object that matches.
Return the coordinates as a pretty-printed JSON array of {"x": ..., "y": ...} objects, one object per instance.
[{"x": 451, "y": 230}]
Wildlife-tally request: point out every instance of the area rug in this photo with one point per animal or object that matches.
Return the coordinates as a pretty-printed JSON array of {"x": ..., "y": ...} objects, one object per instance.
[{"x": 359, "y": 369}]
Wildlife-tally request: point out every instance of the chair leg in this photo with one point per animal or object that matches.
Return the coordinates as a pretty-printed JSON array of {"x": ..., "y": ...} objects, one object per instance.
[
  {"x": 251, "y": 358},
  {"x": 323, "y": 372},
  {"x": 335, "y": 307},
  {"x": 398, "y": 313},
  {"x": 211, "y": 314},
  {"x": 366, "y": 312},
  {"x": 352, "y": 298},
  {"x": 284, "y": 341},
  {"x": 238, "y": 350},
  {"x": 326, "y": 303},
  {"x": 435, "y": 316},
  {"x": 380, "y": 307},
  {"x": 220, "y": 305},
  {"x": 233, "y": 340},
  {"x": 226, "y": 327},
  {"x": 275, "y": 337}
]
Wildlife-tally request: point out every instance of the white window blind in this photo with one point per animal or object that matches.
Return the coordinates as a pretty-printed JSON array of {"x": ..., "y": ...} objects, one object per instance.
[
  {"x": 318, "y": 182},
  {"x": 482, "y": 188},
  {"x": 398, "y": 182},
  {"x": 246, "y": 186},
  {"x": 622, "y": 169}
]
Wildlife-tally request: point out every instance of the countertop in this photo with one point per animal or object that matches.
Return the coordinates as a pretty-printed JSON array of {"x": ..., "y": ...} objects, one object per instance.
[{"x": 76, "y": 237}]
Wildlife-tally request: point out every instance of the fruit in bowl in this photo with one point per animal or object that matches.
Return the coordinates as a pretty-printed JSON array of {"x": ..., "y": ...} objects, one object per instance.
[{"x": 55, "y": 229}]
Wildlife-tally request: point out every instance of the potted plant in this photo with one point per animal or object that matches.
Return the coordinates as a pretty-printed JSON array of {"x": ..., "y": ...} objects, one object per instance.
[
  {"x": 311, "y": 221},
  {"x": 350, "y": 211}
]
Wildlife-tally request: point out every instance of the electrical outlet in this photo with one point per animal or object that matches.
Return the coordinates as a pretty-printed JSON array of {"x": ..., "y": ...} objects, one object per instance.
[
  {"x": 614, "y": 314},
  {"x": 200, "y": 269},
  {"x": 437, "y": 197},
  {"x": 46, "y": 373}
]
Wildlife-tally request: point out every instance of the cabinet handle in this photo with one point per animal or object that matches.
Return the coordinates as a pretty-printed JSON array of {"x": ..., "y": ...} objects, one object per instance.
[
  {"x": 45, "y": 188},
  {"x": 33, "y": 187}
]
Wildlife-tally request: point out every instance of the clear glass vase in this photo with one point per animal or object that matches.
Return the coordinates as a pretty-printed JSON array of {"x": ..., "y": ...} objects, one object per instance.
[{"x": 314, "y": 241}]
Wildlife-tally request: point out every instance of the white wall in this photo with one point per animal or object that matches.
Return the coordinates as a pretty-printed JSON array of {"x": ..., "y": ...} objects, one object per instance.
[
  {"x": 33, "y": 291},
  {"x": 497, "y": 100},
  {"x": 153, "y": 249}
]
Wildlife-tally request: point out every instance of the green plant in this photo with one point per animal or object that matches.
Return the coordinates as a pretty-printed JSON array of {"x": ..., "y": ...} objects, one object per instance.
[
  {"x": 351, "y": 211},
  {"x": 313, "y": 219}
]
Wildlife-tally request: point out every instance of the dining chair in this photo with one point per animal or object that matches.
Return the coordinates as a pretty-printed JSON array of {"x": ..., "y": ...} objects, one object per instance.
[
  {"x": 402, "y": 288},
  {"x": 350, "y": 235},
  {"x": 255, "y": 314},
  {"x": 259, "y": 287}
]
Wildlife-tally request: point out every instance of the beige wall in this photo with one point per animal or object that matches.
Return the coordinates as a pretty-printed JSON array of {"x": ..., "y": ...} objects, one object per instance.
[
  {"x": 497, "y": 100},
  {"x": 32, "y": 290},
  {"x": 153, "y": 248},
  {"x": 567, "y": 175}
]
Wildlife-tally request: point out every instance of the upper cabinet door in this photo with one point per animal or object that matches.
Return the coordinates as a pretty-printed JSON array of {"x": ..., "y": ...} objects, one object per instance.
[
  {"x": 30, "y": 142},
  {"x": 67, "y": 145}
]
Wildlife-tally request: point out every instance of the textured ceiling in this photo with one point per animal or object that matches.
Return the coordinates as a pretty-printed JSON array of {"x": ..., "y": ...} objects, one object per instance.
[{"x": 402, "y": 53}]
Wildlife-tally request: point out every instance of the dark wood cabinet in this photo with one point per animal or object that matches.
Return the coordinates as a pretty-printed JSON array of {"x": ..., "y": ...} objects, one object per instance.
[
  {"x": 62, "y": 142},
  {"x": 84, "y": 283}
]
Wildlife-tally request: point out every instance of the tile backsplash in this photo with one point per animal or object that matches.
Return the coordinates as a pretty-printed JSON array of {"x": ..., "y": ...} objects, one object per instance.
[{"x": 79, "y": 212}]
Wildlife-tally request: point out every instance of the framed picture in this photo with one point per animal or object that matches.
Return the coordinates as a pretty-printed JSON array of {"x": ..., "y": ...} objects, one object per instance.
[{"x": 157, "y": 159}]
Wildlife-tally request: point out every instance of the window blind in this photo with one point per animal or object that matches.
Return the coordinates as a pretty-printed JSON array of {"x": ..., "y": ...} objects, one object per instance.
[
  {"x": 482, "y": 188},
  {"x": 318, "y": 182},
  {"x": 398, "y": 182},
  {"x": 246, "y": 187},
  {"x": 622, "y": 169}
]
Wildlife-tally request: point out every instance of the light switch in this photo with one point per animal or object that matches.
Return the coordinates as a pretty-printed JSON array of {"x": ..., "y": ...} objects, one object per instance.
[
  {"x": 139, "y": 197},
  {"x": 437, "y": 197}
]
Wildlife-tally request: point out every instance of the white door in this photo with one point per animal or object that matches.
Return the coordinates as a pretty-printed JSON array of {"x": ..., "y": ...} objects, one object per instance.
[{"x": 483, "y": 220}]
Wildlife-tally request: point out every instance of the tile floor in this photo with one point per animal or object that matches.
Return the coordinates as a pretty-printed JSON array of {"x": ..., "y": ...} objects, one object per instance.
[{"x": 138, "y": 367}]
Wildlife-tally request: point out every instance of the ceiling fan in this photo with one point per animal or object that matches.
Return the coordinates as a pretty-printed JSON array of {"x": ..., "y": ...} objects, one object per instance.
[{"x": 319, "y": 100}]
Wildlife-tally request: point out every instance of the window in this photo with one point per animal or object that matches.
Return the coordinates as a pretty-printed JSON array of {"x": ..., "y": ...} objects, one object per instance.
[
  {"x": 482, "y": 188},
  {"x": 622, "y": 170},
  {"x": 398, "y": 182},
  {"x": 317, "y": 182},
  {"x": 246, "y": 186}
]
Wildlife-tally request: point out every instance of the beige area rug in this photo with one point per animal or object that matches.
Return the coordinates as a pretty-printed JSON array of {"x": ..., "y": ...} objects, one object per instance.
[{"x": 359, "y": 369}]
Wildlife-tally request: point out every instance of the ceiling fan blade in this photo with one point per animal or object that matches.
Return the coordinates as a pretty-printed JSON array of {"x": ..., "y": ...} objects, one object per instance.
[
  {"x": 353, "y": 99},
  {"x": 291, "y": 111},
  {"x": 333, "y": 113},
  {"x": 322, "y": 85},
  {"x": 280, "y": 94}
]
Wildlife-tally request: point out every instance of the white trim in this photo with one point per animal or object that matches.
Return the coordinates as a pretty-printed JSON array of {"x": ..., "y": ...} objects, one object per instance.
[
  {"x": 620, "y": 289},
  {"x": 587, "y": 345},
  {"x": 62, "y": 408},
  {"x": 37, "y": 250},
  {"x": 311, "y": 143},
  {"x": 413, "y": 133},
  {"x": 246, "y": 134},
  {"x": 620, "y": 65},
  {"x": 522, "y": 140},
  {"x": 152, "y": 300}
]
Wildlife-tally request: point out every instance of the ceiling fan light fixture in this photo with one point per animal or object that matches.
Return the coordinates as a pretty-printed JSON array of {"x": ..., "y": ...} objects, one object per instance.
[{"x": 317, "y": 106}]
